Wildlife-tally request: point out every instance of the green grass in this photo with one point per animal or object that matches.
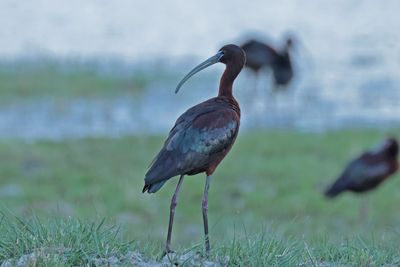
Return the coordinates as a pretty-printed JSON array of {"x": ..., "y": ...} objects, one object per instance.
[
  {"x": 68, "y": 79},
  {"x": 54, "y": 241},
  {"x": 72, "y": 242},
  {"x": 265, "y": 198}
]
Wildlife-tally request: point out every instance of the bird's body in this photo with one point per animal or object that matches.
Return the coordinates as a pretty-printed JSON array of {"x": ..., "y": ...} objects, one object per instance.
[
  {"x": 367, "y": 171},
  {"x": 282, "y": 69},
  {"x": 201, "y": 137},
  {"x": 260, "y": 55}
]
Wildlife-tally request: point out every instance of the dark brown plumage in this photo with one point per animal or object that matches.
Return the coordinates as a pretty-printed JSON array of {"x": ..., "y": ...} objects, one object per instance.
[
  {"x": 368, "y": 170},
  {"x": 201, "y": 137},
  {"x": 260, "y": 55}
]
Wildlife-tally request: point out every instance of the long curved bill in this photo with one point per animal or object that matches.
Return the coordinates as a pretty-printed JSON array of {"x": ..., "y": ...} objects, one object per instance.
[{"x": 211, "y": 61}]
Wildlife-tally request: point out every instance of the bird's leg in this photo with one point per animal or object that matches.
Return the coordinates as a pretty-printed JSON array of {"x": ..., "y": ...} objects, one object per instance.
[
  {"x": 363, "y": 214},
  {"x": 174, "y": 202},
  {"x": 258, "y": 104},
  {"x": 205, "y": 211},
  {"x": 255, "y": 81}
]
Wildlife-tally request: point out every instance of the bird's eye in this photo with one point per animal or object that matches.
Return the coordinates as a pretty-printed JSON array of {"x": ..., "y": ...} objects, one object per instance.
[{"x": 220, "y": 54}]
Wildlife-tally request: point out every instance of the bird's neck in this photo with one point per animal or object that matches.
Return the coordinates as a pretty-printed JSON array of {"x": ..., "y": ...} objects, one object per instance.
[
  {"x": 227, "y": 79},
  {"x": 225, "y": 88}
]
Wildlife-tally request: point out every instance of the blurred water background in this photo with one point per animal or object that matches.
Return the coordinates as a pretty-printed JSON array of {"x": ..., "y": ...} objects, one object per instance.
[{"x": 347, "y": 62}]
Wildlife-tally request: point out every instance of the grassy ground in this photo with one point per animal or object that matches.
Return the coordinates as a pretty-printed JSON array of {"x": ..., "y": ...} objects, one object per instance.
[
  {"x": 25, "y": 79},
  {"x": 265, "y": 199},
  {"x": 70, "y": 242}
]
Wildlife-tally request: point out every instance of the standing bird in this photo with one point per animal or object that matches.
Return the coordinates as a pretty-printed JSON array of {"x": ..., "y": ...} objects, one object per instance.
[
  {"x": 201, "y": 137},
  {"x": 260, "y": 55},
  {"x": 367, "y": 171}
]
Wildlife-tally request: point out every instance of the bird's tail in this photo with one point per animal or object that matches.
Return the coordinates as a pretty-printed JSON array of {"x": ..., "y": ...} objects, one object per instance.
[
  {"x": 152, "y": 188},
  {"x": 331, "y": 192},
  {"x": 335, "y": 189}
]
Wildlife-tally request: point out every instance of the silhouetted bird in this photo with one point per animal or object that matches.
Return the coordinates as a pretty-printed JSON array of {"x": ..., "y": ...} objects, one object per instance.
[
  {"x": 201, "y": 137},
  {"x": 368, "y": 170},
  {"x": 260, "y": 55}
]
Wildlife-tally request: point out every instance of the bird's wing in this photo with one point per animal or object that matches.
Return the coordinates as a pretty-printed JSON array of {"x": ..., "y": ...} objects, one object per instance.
[
  {"x": 364, "y": 171},
  {"x": 259, "y": 52},
  {"x": 198, "y": 134},
  {"x": 361, "y": 174}
]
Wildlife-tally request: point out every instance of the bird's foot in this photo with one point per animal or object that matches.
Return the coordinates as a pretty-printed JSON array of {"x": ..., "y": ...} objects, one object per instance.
[
  {"x": 206, "y": 254},
  {"x": 170, "y": 257},
  {"x": 168, "y": 251}
]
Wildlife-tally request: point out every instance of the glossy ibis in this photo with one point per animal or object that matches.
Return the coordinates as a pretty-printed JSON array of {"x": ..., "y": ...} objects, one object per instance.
[
  {"x": 368, "y": 170},
  {"x": 201, "y": 137},
  {"x": 260, "y": 55}
]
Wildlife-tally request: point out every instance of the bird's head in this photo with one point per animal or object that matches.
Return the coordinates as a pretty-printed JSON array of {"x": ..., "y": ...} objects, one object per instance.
[
  {"x": 391, "y": 147},
  {"x": 230, "y": 55},
  {"x": 289, "y": 42}
]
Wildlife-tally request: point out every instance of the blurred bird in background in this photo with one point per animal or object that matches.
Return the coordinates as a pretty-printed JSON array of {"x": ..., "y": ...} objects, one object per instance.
[
  {"x": 263, "y": 56},
  {"x": 367, "y": 171}
]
